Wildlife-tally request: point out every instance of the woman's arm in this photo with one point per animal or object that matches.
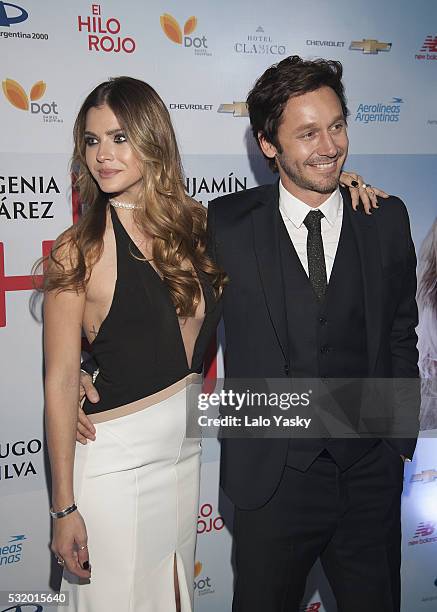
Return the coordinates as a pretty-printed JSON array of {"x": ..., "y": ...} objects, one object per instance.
[
  {"x": 63, "y": 313},
  {"x": 359, "y": 190}
]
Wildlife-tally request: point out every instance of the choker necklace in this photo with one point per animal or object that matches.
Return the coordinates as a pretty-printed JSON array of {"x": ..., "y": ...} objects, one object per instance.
[{"x": 125, "y": 205}]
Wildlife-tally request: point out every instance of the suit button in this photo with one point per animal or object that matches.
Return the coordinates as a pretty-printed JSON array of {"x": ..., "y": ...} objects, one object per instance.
[
  {"x": 287, "y": 369},
  {"x": 325, "y": 349},
  {"x": 323, "y": 321}
]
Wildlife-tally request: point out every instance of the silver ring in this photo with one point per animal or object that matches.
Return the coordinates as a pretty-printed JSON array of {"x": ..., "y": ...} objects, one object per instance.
[
  {"x": 59, "y": 560},
  {"x": 366, "y": 186},
  {"x": 83, "y": 547}
]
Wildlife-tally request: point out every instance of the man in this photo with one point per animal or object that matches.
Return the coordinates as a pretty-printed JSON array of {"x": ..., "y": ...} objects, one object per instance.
[{"x": 316, "y": 291}]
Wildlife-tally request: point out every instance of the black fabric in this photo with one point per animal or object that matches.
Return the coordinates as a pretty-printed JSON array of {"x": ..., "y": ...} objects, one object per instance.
[
  {"x": 315, "y": 252},
  {"x": 244, "y": 238},
  {"x": 354, "y": 528},
  {"x": 139, "y": 348},
  {"x": 327, "y": 338}
]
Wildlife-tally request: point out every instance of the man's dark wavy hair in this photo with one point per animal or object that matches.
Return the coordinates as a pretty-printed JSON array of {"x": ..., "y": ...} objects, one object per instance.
[{"x": 291, "y": 77}]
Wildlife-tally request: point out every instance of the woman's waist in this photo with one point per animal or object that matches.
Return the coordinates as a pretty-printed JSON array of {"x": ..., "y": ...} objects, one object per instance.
[{"x": 118, "y": 400}]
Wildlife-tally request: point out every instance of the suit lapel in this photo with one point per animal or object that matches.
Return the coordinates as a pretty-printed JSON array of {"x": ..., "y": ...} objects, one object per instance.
[
  {"x": 366, "y": 234},
  {"x": 265, "y": 223}
]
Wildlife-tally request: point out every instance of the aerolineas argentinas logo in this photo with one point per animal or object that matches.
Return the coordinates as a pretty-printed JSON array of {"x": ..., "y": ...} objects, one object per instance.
[
  {"x": 183, "y": 37},
  {"x": 17, "y": 96}
]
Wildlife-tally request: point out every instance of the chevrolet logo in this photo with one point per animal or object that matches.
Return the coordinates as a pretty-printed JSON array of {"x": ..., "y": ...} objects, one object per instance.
[
  {"x": 238, "y": 109},
  {"x": 369, "y": 45},
  {"x": 425, "y": 476}
]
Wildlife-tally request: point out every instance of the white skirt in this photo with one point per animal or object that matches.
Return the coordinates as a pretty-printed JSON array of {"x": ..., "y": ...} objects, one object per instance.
[{"x": 137, "y": 488}]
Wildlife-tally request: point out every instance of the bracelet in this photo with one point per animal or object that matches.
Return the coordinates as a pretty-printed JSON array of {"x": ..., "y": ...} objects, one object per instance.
[{"x": 62, "y": 513}]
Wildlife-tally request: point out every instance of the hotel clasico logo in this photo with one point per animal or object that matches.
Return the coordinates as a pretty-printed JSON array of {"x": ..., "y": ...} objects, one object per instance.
[
  {"x": 369, "y": 46},
  {"x": 260, "y": 43},
  {"x": 174, "y": 32}
]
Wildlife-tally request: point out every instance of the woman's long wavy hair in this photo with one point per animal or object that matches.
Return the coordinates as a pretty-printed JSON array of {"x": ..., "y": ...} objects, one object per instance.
[
  {"x": 427, "y": 303},
  {"x": 176, "y": 222},
  {"x": 427, "y": 272}
]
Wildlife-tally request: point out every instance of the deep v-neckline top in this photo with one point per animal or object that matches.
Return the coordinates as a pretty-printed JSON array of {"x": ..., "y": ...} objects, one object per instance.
[
  {"x": 141, "y": 345},
  {"x": 190, "y": 327}
]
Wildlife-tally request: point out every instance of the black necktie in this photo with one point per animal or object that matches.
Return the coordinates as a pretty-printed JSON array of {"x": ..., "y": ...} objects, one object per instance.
[{"x": 316, "y": 255}]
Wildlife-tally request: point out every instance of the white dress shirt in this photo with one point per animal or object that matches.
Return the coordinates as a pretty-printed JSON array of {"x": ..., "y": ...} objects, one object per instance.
[{"x": 294, "y": 211}]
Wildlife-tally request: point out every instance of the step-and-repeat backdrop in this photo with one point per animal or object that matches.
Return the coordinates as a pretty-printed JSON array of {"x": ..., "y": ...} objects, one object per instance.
[{"x": 202, "y": 57}]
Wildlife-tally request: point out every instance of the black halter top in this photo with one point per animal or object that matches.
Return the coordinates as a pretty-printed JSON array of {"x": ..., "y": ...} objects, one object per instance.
[{"x": 139, "y": 347}]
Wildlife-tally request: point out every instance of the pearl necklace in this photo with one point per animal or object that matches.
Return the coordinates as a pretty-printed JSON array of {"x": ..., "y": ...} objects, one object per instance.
[{"x": 125, "y": 205}]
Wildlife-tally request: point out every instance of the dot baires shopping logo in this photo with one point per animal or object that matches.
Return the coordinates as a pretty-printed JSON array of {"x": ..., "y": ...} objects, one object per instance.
[
  {"x": 171, "y": 28},
  {"x": 202, "y": 582},
  {"x": 16, "y": 95}
]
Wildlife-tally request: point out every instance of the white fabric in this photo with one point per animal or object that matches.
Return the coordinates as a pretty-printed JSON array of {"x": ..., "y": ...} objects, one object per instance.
[
  {"x": 294, "y": 211},
  {"x": 137, "y": 488}
]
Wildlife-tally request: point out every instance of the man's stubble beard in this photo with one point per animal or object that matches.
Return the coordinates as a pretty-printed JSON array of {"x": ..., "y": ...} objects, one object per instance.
[{"x": 324, "y": 186}]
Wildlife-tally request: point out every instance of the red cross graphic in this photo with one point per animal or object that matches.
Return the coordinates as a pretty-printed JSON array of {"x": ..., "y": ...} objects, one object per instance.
[
  {"x": 17, "y": 283},
  {"x": 28, "y": 282}
]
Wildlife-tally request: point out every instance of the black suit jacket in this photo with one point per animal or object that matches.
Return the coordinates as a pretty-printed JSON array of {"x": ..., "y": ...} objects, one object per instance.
[{"x": 243, "y": 239}]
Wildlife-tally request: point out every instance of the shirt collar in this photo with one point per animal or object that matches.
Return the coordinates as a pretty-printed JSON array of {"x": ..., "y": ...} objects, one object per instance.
[{"x": 296, "y": 210}]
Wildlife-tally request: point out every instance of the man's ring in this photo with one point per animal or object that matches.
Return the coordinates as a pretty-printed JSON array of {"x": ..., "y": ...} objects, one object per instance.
[
  {"x": 83, "y": 547},
  {"x": 366, "y": 186},
  {"x": 59, "y": 560}
]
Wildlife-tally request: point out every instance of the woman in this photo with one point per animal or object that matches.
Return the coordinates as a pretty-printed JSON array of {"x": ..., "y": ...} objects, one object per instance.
[{"x": 135, "y": 276}]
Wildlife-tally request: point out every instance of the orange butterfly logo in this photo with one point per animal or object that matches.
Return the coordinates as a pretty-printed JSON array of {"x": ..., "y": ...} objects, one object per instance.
[
  {"x": 173, "y": 30},
  {"x": 16, "y": 95}
]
